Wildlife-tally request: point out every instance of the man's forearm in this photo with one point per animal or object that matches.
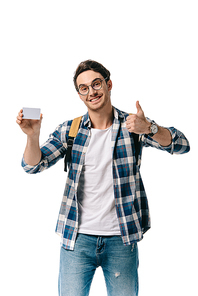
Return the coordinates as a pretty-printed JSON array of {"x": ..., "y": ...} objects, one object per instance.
[
  {"x": 163, "y": 136},
  {"x": 137, "y": 123},
  {"x": 32, "y": 154}
]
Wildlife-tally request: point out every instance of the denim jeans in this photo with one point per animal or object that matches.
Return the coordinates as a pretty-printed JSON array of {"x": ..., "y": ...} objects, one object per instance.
[{"x": 119, "y": 264}]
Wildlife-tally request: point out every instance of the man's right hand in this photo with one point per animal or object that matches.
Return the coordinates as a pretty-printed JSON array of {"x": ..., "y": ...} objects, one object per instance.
[{"x": 29, "y": 126}]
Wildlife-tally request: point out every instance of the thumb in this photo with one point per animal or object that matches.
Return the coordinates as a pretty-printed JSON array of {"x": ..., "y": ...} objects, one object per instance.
[{"x": 139, "y": 108}]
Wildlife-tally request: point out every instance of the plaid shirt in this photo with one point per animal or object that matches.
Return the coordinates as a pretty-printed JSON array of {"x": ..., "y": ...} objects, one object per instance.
[{"x": 130, "y": 196}]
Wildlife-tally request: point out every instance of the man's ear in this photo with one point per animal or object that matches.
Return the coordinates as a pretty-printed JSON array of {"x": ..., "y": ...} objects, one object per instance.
[{"x": 109, "y": 85}]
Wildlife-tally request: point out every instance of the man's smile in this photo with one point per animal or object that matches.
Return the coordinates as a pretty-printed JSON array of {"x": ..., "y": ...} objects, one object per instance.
[{"x": 95, "y": 99}]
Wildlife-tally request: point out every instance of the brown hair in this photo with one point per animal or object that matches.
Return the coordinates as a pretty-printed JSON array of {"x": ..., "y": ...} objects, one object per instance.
[{"x": 91, "y": 65}]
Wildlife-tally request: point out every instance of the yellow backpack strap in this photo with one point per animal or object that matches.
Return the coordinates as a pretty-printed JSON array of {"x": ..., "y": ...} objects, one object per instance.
[
  {"x": 72, "y": 134},
  {"x": 74, "y": 127}
]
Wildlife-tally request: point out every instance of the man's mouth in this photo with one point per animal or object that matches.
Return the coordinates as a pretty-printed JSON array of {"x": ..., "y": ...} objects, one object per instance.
[{"x": 95, "y": 98}]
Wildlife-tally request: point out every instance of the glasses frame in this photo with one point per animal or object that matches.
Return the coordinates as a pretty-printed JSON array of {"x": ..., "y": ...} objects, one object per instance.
[{"x": 91, "y": 86}]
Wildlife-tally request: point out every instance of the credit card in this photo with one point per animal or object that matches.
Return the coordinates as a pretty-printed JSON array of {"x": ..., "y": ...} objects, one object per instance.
[{"x": 31, "y": 113}]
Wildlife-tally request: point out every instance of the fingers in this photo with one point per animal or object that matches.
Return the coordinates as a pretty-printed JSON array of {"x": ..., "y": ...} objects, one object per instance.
[
  {"x": 139, "y": 111},
  {"x": 131, "y": 117},
  {"x": 131, "y": 122},
  {"x": 136, "y": 122},
  {"x": 20, "y": 117},
  {"x": 139, "y": 108}
]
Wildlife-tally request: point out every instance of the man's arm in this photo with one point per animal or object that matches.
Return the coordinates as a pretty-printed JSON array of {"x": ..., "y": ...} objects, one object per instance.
[
  {"x": 36, "y": 159},
  {"x": 137, "y": 123},
  {"x": 31, "y": 128},
  {"x": 32, "y": 154},
  {"x": 168, "y": 139},
  {"x": 163, "y": 136}
]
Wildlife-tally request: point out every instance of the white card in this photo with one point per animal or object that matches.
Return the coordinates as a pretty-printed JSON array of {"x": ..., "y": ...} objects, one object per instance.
[{"x": 31, "y": 113}]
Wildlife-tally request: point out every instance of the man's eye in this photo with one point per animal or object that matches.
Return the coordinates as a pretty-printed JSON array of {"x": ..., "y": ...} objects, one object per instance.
[
  {"x": 83, "y": 88},
  {"x": 97, "y": 84}
]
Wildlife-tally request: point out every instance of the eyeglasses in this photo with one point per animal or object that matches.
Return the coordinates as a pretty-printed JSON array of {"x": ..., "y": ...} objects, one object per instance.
[{"x": 96, "y": 84}]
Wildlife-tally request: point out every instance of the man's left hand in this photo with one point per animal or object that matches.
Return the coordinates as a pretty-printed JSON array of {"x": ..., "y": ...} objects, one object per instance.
[{"x": 137, "y": 123}]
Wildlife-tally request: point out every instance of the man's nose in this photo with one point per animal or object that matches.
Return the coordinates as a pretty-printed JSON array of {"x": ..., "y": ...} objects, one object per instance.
[{"x": 92, "y": 91}]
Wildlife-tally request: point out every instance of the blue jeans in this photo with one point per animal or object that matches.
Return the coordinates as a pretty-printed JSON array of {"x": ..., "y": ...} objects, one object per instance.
[{"x": 119, "y": 264}]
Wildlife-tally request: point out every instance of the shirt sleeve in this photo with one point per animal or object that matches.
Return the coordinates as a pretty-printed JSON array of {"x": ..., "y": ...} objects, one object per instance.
[
  {"x": 52, "y": 150},
  {"x": 179, "y": 144}
]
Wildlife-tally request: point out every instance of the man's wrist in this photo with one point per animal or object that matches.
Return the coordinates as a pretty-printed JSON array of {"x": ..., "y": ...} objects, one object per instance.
[
  {"x": 33, "y": 137},
  {"x": 148, "y": 127},
  {"x": 33, "y": 140}
]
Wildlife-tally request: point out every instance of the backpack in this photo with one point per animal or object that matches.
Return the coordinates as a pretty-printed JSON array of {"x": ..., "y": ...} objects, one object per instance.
[{"x": 73, "y": 133}]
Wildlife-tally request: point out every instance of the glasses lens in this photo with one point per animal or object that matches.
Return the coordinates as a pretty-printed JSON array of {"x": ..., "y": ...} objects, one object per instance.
[
  {"x": 83, "y": 90},
  {"x": 97, "y": 84}
]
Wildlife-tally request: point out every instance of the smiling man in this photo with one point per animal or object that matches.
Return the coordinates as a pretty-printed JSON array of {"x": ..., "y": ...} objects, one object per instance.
[{"x": 104, "y": 212}]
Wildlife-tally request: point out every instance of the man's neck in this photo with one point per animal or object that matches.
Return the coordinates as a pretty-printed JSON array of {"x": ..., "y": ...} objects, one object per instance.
[{"x": 101, "y": 119}]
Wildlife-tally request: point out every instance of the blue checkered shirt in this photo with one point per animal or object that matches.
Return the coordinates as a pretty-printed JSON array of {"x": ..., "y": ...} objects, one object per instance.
[{"x": 130, "y": 196}]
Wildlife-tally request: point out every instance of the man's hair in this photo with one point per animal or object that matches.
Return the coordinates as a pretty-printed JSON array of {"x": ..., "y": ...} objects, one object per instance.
[{"x": 91, "y": 65}]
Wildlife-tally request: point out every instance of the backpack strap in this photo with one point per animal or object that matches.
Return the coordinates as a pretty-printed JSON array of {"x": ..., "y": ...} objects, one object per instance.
[
  {"x": 136, "y": 144},
  {"x": 72, "y": 134}
]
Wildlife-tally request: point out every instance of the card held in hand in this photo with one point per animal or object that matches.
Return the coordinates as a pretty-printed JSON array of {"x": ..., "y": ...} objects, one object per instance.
[{"x": 31, "y": 113}]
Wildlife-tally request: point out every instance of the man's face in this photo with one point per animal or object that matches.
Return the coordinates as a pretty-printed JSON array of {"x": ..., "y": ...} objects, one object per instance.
[{"x": 95, "y": 99}]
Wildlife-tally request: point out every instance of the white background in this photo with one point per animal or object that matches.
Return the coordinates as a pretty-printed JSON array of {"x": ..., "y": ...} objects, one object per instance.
[{"x": 151, "y": 49}]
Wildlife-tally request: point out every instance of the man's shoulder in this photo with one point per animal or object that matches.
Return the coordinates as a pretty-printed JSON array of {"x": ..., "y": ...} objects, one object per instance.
[
  {"x": 120, "y": 113},
  {"x": 66, "y": 125}
]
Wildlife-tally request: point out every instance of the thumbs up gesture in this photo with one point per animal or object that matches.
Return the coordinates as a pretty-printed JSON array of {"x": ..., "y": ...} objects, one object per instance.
[{"x": 137, "y": 123}]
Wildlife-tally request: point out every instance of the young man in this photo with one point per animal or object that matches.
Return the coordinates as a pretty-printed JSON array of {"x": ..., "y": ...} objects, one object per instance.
[{"x": 104, "y": 212}]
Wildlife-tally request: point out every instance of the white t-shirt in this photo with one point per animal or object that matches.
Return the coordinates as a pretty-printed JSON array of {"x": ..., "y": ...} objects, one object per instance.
[{"x": 96, "y": 202}]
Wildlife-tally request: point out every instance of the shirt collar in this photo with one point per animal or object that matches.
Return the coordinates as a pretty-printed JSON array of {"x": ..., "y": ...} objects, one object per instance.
[
  {"x": 117, "y": 115},
  {"x": 86, "y": 120}
]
